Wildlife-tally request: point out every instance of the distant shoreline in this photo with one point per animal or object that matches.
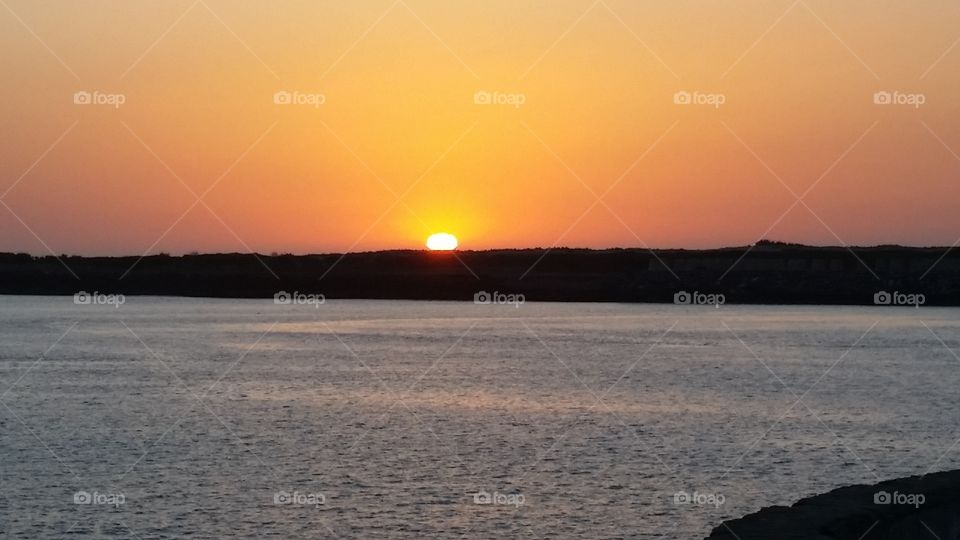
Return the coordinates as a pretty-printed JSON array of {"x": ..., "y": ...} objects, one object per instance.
[{"x": 767, "y": 273}]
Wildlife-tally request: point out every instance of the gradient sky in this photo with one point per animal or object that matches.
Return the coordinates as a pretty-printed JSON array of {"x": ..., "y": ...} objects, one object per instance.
[{"x": 399, "y": 78}]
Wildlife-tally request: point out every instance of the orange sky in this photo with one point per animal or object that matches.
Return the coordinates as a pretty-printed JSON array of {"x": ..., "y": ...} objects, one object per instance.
[{"x": 591, "y": 113}]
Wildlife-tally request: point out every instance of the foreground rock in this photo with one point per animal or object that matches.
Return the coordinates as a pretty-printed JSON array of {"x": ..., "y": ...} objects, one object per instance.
[{"x": 908, "y": 508}]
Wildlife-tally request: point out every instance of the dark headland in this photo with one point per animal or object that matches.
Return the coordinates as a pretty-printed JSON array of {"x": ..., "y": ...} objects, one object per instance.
[
  {"x": 910, "y": 508},
  {"x": 769, "y": 272}
]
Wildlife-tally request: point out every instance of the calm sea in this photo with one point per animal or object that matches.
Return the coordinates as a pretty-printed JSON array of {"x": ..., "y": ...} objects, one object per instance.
[{"x": 161, "y": 418}]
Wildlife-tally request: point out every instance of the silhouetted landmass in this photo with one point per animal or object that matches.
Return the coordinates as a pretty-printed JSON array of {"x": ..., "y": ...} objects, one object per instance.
[
  {"x": 885, "y": 511},
  {"x": 769, "y": 272}
]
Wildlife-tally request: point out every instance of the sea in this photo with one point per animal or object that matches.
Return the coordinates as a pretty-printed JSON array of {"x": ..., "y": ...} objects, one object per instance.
[{"x": 306, "y": 417}]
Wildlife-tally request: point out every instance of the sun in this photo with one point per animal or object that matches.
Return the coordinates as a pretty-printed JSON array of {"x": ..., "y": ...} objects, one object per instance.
[{"x": 442, "y": 242}]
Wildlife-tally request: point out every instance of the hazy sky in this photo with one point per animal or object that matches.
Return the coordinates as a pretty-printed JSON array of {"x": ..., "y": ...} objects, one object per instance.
[{"x": 393, "y": 104}]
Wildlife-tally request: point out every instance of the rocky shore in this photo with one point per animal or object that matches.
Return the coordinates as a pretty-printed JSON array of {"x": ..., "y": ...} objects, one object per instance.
[{"x": 916, "y": 507}]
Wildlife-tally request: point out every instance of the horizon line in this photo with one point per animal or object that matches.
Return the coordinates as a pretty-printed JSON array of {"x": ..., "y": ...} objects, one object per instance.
[{"x": 762, "y": 243}]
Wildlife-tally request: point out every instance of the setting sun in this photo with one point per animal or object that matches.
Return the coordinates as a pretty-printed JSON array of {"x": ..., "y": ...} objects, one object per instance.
[{"x": 442, "y": 242}]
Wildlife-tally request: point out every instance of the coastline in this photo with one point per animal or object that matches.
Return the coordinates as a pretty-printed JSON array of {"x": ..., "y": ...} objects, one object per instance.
[{"x": 767, "y": 273}]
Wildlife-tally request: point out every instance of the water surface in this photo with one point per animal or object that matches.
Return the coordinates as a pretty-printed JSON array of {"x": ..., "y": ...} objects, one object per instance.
[{"x": 384, "y": 419}]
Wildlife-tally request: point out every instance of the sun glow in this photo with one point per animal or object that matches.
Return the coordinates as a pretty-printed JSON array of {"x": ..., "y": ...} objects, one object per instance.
[{"x": 442, "y": 242}]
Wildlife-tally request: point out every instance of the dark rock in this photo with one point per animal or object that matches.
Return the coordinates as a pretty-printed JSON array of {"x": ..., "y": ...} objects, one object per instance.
[{"x": 916, "y": 507}]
